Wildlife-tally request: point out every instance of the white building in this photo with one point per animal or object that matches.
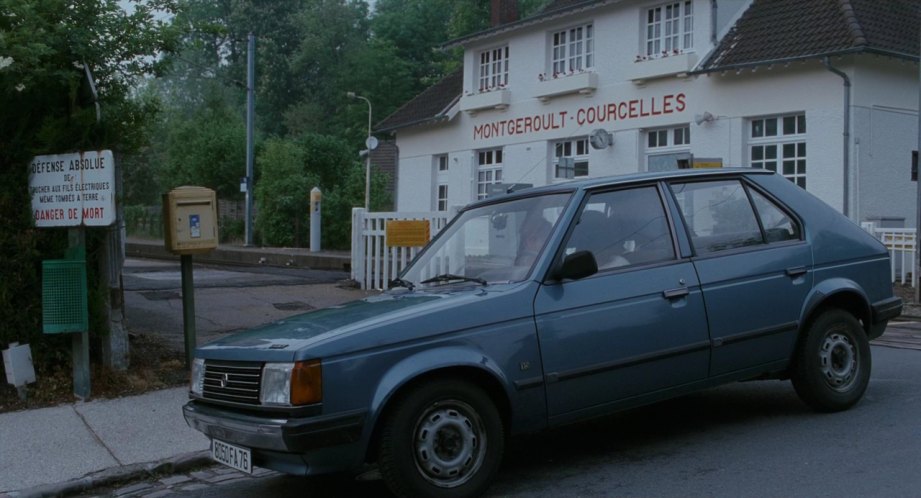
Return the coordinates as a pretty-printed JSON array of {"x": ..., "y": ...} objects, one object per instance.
[{"x": 824, "y": 91}]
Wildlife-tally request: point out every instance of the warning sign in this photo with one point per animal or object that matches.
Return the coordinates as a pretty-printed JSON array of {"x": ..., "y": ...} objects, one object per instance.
[
  {"x": 73, "y": 189},
  {"x": 407, "y": 233}
]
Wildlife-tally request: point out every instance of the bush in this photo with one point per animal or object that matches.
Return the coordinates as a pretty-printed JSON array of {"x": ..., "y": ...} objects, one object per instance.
[
  {"x": 231, "y": 229},
  {"x": 283, "y": 193},
  {"x": 290, "y": 169},
  {"x": 144, "y": 221},
  {"x": 339, "y": 201}
]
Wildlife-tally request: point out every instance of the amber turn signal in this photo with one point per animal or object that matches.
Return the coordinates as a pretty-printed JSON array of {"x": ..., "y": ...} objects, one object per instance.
[{"x": 306, "y": 383}]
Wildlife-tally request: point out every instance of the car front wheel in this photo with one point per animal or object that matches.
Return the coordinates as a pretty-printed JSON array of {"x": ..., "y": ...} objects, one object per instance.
[
  {"x": 443, "y": 438},
  {"x": 832, "y": 365}
]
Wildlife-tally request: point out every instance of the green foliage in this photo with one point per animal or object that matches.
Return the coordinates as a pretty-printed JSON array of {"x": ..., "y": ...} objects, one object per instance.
[
  {"x": 207, "y": 149},
  {"x": 283, "y": 193},
  {"x": 350, "y": 193},
  {"x": 231, "y": 230},
  {"x": 49, "y": 107},
  {"x": 144, "y": 220},
  {"x": 290, "y": 169}
]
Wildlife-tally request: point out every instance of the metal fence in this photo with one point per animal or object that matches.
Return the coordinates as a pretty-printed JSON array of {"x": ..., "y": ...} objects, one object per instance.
[
  {"x": 374, "y": 261},
  {"x": 902, "y": 250}
]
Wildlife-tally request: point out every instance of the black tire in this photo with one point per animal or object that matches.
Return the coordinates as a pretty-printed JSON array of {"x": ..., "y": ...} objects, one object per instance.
[
  {"x": 443, "y": 438},
  {"x": 831, "y": 369}
]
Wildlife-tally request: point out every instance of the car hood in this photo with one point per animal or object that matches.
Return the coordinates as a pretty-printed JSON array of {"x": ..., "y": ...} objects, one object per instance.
[{"x": 392, "y": 317}]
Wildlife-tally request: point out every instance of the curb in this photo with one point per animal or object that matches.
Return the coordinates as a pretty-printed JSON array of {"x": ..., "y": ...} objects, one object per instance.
[
  {"x": 279, "y": 257},
  {"x": 114, "y": 475}
]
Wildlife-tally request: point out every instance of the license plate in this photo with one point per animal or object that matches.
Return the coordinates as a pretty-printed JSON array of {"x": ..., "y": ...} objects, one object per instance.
[{"x": 232, "y": 456}]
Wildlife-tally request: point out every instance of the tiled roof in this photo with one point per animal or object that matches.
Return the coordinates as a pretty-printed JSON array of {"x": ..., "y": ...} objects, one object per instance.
[
  {"x": 565, "y": 4},
  {"x": 429, "y": 106},
  {"x": 784, "y": 30}
]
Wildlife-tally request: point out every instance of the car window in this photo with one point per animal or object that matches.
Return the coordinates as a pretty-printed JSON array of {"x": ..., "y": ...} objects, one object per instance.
[
  {"x": 623, "y": 227},
  {"x": 778, "y": 226},
  {"x": 718, "y": 214},
  {"x": 497, "y": 242}
]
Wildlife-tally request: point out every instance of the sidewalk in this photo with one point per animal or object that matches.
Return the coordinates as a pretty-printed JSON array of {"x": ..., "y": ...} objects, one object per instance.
[{"x": 71, "y": 448}]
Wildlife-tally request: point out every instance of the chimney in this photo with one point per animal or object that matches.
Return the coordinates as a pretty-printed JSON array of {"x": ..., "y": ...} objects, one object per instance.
[{"x": 503, "y": 12}]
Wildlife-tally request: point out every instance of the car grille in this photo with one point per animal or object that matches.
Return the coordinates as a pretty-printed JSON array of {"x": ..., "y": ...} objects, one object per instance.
[{"x": 236, "y": 382}]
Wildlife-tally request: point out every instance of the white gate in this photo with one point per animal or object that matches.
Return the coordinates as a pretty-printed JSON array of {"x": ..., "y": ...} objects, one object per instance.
[
  {"x": 901, "y": 245},
  {"x": 374, "y": 263}
]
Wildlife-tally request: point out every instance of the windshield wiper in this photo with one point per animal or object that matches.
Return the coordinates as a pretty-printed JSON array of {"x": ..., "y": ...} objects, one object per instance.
[
  {"x": 399, "y": 282},
  {"x": 447, "y": 277}
]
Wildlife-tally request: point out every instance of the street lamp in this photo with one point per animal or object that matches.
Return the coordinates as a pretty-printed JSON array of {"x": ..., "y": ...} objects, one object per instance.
[{"x": 371, "y": 144}]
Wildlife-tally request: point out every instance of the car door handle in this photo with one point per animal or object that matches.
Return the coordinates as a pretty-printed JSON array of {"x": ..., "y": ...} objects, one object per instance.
[
  {"x": 796, "y": 271},
  {"x": 675, "y": 293}
]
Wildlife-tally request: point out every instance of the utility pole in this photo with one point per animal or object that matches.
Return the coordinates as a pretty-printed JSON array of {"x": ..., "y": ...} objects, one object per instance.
[{"x": 250, "y": 113}]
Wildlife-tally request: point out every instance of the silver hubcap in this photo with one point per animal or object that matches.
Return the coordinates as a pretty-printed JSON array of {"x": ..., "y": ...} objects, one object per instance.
[
  {"x": 450, "y": 443},
  {"x": 838, "y": 358}
]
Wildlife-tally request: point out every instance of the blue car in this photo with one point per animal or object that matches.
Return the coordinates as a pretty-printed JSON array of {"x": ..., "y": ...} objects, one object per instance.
[{"x": 548, "y": 306}]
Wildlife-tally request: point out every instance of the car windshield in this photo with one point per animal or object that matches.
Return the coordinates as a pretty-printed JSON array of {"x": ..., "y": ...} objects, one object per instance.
[{"x": 493, "y": 243}]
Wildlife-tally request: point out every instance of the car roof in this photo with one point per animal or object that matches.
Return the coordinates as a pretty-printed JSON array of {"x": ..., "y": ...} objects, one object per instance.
[{"x": 614, "y": 180}]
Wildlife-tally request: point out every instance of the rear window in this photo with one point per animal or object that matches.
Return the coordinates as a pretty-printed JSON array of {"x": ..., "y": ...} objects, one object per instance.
[{"x": 720, "y": 216}]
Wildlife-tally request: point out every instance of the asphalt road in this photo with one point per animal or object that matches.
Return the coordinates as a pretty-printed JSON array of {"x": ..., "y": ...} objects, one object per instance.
[
  {"x": 748, "y": 439},
  {"x": 227, "y": 298}
]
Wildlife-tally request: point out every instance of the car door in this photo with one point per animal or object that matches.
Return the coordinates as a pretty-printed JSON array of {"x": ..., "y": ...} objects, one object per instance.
[
  {"x": 635, "y": 327},
  {"x": 754, "y": 270}
]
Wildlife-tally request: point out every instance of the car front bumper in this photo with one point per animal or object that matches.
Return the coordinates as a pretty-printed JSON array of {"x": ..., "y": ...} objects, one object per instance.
[{"x": 292, "y": 445}]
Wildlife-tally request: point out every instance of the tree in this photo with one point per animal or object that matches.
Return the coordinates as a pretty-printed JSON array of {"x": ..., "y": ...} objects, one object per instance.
[
  {"x": 46, "y": 49},
  {"x": 291, "y": 168},
  {"x": 206, "y": 149}
]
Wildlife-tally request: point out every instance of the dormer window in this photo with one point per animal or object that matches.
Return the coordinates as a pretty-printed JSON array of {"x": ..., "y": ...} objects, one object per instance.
[
  {"x": 493, "y": 69},
  {"x": 669, "y": 29},
  {"x": 573, "y": 50}
]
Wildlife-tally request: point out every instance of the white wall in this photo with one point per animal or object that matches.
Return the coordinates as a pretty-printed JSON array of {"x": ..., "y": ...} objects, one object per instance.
[
  {"x": 883, "y": 125},
  {"x": 885, "y": 131}
]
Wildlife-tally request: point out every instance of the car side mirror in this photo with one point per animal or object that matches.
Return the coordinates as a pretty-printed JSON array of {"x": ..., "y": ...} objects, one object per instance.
[{"x": 579, "y": 264}]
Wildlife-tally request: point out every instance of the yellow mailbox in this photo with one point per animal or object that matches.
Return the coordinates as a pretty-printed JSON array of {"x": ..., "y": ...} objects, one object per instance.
[{"x": 190, "y": 220}]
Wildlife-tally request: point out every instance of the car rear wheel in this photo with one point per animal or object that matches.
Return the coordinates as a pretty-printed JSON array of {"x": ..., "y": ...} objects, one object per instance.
[
  {"x": 832, "y": 365},
  {"x": 444, "y": 438}
]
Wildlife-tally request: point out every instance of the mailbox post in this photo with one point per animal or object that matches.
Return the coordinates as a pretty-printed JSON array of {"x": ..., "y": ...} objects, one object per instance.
[{"x": 190, "y": 227}]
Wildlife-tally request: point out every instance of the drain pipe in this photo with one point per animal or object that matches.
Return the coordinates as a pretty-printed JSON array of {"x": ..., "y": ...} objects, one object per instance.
[
  {"x": 847, "y": 133},
  {"x": 713, "y": 8}
]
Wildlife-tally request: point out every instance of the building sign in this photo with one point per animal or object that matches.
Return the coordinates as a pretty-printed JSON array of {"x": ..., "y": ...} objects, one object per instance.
[
  {"x": 71, "y": 190},
  {"x": 583, "y": 116},
  {"x": 407, "y": 233}
]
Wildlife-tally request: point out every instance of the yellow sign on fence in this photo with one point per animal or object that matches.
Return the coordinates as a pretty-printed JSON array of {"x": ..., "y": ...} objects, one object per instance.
[{"x": 407, "y": 233}]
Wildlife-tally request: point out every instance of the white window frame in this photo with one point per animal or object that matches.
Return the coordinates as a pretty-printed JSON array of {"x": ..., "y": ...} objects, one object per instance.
[
  {"x": 667, "y": 138},
  {"x": 667, "y": 141},
  {"x": 492, "y": 68},
  {"x": 488, "y": 170},
  {"x": 778, "y": 143},
  {"x": 572, "y": 50},
  {"x": 441, "y": 162},
  {"x": 441, "y": 197},
  {"x": 439, "y": 178},
  {"x": 669, "y": 29},
  {"x": 576, "y": 149}
]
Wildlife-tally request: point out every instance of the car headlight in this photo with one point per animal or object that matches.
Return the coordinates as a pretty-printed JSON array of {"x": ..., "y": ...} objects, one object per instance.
[
  {"x": 197, "y": 378},
  {"x": 291, "y": 384}
]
